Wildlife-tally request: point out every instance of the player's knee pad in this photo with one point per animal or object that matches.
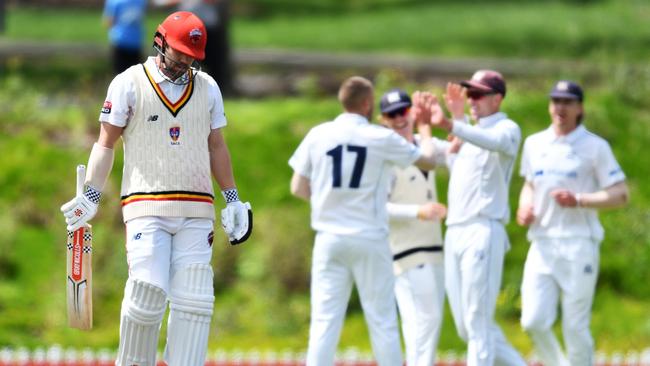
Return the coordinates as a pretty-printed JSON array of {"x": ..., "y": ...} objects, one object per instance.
[
  {"x": 191, "y": 298},
  {"x": 143, "y": 308}
]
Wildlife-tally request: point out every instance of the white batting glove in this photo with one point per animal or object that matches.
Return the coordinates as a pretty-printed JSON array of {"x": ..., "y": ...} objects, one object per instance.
[
  {"x": 79, "y": 210},
  {"x": 236, "y": 218}
]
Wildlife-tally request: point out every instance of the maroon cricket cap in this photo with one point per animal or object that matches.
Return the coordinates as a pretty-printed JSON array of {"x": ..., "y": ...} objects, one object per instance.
[{"x": 486, "y": 81}]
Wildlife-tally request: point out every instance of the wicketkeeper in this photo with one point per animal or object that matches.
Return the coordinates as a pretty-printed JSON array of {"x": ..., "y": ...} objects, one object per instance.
[{"x": 169, "y": 115}]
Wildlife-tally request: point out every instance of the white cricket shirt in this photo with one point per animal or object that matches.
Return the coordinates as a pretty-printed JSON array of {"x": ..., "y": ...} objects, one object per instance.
[
  {"x": 580, "y": 162},
  {"x": 121, "y": 97},
  {"x": 348, "y": 162},
  {"x": 481, "y": 171}
]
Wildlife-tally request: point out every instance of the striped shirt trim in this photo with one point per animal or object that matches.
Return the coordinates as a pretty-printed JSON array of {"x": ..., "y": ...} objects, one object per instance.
[
  {"x": 167, "y": 196},
  {"x": 173, "y": 108},
  {"x": 434, "y": 248}
]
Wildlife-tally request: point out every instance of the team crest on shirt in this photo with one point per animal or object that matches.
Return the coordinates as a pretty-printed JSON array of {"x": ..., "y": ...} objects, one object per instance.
[
  {"x": 106, "y": 108},
  {"x": 175, "y": 134}
]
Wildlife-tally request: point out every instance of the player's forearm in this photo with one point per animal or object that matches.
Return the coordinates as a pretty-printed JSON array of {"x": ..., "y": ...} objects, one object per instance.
[
  {"x": 427, "y": 161},
  {"x": 221, "y": 168},
  {"x": 614, "y": 196},
  {"x": 397, "y": 211},
  {"x": 220, "y": 164},
  {"x": 300, "y": 187},
  {"x": 527, "y": 194},
  {"x": 100, "y": 161},
  {"x": 492, "y": 139}
]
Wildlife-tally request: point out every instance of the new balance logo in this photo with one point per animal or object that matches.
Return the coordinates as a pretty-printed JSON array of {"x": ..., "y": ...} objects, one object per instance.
[{"x": 152, "y": 118}]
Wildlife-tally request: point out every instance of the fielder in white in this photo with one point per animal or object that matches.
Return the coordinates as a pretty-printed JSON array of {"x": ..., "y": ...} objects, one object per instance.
[
  {"x": 570, "y": 173},
  {"x": 476, "y": 239},
  {"x": 342, "y": 168},
  {"x": 415, "y": 235},
  {"x": 169, "y": 115}
]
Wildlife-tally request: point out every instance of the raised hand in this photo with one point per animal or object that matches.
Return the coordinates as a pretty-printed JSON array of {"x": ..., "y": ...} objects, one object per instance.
[
  {"x": 438, "y": 118},
  {"x": 420, "y": 109},
  {"x": 455, "y": 100},
  {"x": 454, "y": 144}
]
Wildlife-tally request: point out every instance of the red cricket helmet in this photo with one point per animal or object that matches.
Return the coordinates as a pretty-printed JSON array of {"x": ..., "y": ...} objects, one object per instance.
[{"x": 184, "y": 32}]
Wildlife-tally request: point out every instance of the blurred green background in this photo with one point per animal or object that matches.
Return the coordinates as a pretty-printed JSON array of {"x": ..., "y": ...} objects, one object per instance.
[{"x": 48, "y": 122}]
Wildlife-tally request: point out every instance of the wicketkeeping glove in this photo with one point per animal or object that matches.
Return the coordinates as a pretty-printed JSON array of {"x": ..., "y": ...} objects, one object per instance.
[
  {"x": 237, "y": 221},
  {"x": 81, "y": 209}
]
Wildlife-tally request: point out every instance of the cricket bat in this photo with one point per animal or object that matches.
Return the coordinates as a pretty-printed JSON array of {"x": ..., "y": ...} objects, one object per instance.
[{"x": 79, "y": 283}]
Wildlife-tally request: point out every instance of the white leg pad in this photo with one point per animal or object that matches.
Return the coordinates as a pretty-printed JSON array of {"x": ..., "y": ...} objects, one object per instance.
[
  {"x": 142, "y": 312},
  {"x": 191, "y": 298}
]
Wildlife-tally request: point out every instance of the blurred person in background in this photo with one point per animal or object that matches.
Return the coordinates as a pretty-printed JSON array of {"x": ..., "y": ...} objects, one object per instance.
[
  {"x": 125, "y": 19},
  {"x": 342, "y": 168},
  {"x": 415, "y": 235},
  {"x": 170, "y": 117},
  {"x": 476, "y": 240},
  {"x": 570, "y": 173}
]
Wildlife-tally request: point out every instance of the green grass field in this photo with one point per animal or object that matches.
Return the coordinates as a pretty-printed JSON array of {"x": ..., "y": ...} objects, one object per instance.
[{"x": 48, "y": 124}]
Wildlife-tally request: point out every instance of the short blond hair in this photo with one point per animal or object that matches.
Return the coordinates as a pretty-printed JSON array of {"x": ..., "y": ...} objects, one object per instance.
[{"x": 354, "y": 92}]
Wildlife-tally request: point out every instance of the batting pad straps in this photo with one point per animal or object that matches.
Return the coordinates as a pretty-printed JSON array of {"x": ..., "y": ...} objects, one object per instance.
[{"x": 100, "y": 164}]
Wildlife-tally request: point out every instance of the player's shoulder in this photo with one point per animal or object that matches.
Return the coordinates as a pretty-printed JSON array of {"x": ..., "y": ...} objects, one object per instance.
[
  {"x": 591, "y": 140},
  {"x": 508, "y": 123}
]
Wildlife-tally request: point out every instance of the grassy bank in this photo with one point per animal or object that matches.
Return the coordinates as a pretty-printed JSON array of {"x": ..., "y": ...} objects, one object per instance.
[{"x": 591, "y": 30}]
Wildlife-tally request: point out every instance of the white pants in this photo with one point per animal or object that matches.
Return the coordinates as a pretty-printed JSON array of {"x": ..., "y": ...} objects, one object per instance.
[
  {"x": 563, "y": 270},
  {"x": 338, "y": 263},
  {"x": 155, "y": 245},
  {"x": 474, "y": 255},
  {"x": 420, "y": 294}
]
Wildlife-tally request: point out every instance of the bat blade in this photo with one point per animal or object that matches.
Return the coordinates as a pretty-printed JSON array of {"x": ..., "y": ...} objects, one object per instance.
[{"x": 79, "y": 282}]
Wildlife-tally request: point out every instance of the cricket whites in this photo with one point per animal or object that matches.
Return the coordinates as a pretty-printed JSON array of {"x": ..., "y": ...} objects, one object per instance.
[{"x": 79, "y": 270}]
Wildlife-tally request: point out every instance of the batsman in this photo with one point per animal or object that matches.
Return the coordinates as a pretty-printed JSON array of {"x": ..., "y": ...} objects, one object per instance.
[{"x": 169, "y": 115}]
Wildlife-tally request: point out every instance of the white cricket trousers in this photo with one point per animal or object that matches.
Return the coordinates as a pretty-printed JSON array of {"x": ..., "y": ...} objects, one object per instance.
[
  {"x": 474, "y": 253},
  {"x": 338, "y": 263},
  {"x": 155, "y": 245},
  {"x": 560, "y": 271},
  {"x": 420, "y": 294}
]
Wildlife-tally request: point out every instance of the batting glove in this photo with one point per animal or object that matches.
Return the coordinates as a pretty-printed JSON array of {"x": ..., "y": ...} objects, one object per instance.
[
  {"x": 236, "y": 218},
  {"x": 79, "y": 210}
]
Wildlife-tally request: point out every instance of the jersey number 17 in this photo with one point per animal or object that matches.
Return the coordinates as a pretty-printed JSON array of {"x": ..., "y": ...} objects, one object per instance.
[{"x": 337, "y": 166}]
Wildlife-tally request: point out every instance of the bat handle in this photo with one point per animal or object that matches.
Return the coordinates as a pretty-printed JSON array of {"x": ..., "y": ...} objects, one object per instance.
[{"x": 81, "y": 178}]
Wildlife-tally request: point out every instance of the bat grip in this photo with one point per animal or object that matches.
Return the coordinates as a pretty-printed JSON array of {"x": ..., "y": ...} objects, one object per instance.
[{"x": 81, "y": 178}]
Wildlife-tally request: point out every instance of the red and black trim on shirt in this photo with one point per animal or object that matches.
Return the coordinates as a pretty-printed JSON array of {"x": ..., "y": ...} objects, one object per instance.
[
  {"x": 173, "y": 108},
  {"x": 167, "y": 196}
]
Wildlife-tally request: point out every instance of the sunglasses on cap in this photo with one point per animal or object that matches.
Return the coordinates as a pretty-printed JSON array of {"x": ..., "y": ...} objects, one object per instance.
[
  {"x": 400, "y": 112},
  {"x": 476, "y": 95}
]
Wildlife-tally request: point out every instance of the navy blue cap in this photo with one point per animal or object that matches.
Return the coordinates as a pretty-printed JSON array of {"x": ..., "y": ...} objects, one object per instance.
[
  {"x": 567, "y": 89},
  {"x": 394, "y": 100}
]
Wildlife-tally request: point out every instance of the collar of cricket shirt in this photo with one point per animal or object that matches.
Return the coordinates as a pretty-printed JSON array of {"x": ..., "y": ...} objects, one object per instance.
[{"x": 351, "y": 117}]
